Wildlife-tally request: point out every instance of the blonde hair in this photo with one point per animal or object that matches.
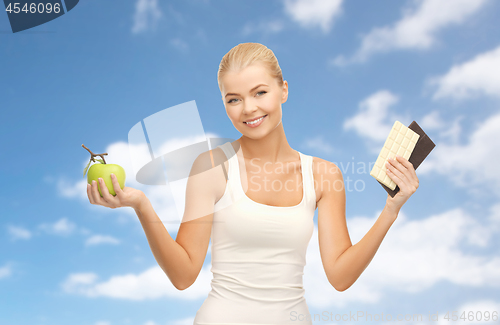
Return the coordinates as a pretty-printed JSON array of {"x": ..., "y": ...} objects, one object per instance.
[{"x": 245, "y": 54}]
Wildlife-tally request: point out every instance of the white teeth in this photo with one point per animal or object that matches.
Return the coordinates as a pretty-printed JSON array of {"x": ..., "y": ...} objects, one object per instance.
[{"x": 256, "y": 121}]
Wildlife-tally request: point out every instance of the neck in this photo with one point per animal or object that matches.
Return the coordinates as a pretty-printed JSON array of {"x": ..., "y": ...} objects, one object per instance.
[{"x": 272, "y": 148}]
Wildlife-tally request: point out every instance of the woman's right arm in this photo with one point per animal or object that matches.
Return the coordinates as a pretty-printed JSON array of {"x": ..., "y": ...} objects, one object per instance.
[
  {"x": 171, "y": 257},
  {"x": 183, "y": 258}
]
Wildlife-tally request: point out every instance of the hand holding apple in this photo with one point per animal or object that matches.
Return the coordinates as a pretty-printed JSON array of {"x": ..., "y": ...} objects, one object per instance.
[
  {"x": 126, "y": 197},
  {"x": 103, "y": 170},
  {"x": 106, "y": 185}
]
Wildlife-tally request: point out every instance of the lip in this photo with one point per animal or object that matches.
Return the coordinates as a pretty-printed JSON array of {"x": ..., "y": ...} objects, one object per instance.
[
  {"x": 254, "y": 119},
  {"x": 258, "y": 123}
]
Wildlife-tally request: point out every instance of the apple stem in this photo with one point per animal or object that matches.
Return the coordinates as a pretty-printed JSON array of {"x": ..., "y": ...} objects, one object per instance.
[{"x": 92, "y": 155}]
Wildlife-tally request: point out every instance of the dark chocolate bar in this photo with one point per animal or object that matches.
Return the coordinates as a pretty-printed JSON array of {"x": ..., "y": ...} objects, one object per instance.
[{"x": 422, "y": 149}]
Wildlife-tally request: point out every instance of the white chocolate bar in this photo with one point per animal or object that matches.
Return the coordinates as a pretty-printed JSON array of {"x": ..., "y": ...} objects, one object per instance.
[{"x": 401, "y": 141}]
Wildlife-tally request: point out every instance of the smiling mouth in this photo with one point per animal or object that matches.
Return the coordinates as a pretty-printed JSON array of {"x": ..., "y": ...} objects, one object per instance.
[{"x": 256, "y": 120}]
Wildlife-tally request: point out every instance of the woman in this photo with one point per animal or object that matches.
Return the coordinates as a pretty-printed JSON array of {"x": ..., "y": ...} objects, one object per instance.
[{"x": 260, "y": 217}]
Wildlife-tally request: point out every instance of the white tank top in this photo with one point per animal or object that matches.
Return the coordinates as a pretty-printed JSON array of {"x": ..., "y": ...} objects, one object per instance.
[{"x": 258, "y": 254}]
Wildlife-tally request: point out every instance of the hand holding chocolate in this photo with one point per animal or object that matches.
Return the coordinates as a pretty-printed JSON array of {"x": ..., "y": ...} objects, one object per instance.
[{"x": 410, "y": 142}]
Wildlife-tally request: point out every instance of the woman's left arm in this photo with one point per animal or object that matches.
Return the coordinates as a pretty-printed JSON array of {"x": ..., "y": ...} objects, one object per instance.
[{"x": 344, "y": 262}]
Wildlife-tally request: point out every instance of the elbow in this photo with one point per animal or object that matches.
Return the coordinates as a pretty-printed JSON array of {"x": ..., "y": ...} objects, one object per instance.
[
  {"x": 179, "y": 287},
  {"x": 339, "y": 286},
  {"x": 339, "y": 280},
  {"x": 180, "y": 283},
  {"x": 182, "y": 286}
]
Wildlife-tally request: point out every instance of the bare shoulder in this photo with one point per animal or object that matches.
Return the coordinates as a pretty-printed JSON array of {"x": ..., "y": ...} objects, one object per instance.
[
  {"x": 326, "y": 175},
  {"x": 205, "y": 185},
  {"x": 213, "y": 161},
  {"x": 207, "y": 160}
]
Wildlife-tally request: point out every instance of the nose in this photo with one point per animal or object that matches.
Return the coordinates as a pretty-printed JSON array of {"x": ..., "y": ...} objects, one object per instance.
[{"x": 249, "y": 108}]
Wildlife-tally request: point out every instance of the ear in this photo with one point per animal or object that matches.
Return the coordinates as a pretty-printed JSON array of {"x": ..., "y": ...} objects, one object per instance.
[{"x": 285, "y": 92}]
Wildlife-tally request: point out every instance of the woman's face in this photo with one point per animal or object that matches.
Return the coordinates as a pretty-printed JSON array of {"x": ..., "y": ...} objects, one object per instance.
[{"x": 252, "y": 93}]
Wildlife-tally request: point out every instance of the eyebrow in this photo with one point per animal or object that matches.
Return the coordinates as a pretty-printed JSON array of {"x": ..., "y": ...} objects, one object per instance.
[{"x": 229, "y": 94}]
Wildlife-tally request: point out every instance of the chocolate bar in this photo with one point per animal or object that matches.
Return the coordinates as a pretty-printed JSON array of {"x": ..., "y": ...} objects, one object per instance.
[
  {"x": 401, "y": 141},
  {"x": 423, "y": 147}
]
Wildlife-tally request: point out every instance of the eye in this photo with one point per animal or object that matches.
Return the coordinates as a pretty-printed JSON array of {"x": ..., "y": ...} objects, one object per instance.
[{"x": 231, "y": 100}]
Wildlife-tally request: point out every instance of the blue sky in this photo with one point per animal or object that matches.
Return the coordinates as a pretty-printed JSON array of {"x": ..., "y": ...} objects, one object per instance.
[{"x": 353, "y": 68}]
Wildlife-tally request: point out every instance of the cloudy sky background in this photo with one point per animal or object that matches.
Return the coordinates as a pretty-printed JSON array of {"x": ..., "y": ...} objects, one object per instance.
[{"x": 353, "y": 68}]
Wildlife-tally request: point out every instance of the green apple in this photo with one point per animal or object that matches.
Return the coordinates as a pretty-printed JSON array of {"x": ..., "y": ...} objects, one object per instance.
[{"x": 104, "y": 171}]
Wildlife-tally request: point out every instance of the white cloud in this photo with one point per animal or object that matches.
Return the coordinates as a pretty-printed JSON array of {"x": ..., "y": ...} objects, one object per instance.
[
  {"x": 146, "y": 16},
  {"x": 5, "y": 271},
  {"x": 202, "y": 35},
  {"x": 85, "y": 231},
  {"x": 318, "y": 143},
  {"x": 479, "y": 76},
  {"x": 180, "y": 45},
  {"x": 69, "y": 189},
  {"x": 417, "y": 29},
  {"x": 414, "y": 256},
  {"x": 184, "y": 321},
  {"x": 18, "y": 232},
  {"x": 314, "y": 13},
  {"x": 373, "y": 120},
  {"x": 432, "y": 121},
  {"x": 101, "y": 239},
  {"x": 478, "y": 308},
  {"x": 62, "y": 227},
  {"x": 150, "y": 284},
  {"x": 267, "y": 26},
  {"x": 452, "y": 130},
  {"x": 150, "y": 322},
  {"x": 78, "y": 279},
  {"x": 495, "y": 216},
  {"x": 480, "y": 311},
  {"x": 473, "y": 165}
]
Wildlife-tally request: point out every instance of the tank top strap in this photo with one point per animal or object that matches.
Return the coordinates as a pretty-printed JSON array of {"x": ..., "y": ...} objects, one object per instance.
[
  {"x": 232, "y": 177},
  {"x": 308, "y": 185},
  {"x": 231, "y": 158}
]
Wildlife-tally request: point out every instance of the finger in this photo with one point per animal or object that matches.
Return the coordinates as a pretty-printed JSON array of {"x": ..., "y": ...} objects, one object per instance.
[
  {"x": 408, "y": 166},
  {"x": 404, "y": 161},
  {"x": 397, "y": 175},
  {"x": 396, "y": 179},
  {"x": 408, "y": 170},
  {"x": 105, "y": 193},
  {"x": 96, "y": 195},
  {"x": 89, "y": 194},
  {"x": 405, "y": 176},
  {"x": 116, "y": 185},
  {"x": 405, "y": 171}
]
